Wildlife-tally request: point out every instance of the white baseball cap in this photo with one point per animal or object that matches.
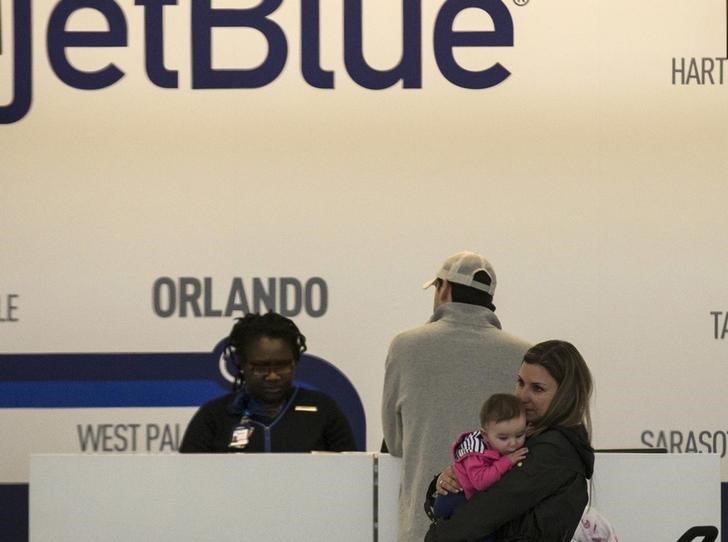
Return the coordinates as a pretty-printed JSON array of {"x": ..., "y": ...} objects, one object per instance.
[{"x": 462, "y": 267}]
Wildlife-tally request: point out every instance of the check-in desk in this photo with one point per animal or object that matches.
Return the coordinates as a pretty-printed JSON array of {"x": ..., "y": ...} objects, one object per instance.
[
  {"x": 645, "y": 496},
  {"x": 658, "y": 497},
  {"x": 224, "y": 497},
  {"x": 318, "y": 497}
]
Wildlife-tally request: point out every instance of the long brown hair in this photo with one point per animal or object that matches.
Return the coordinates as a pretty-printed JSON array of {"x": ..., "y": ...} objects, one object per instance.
[{"x": 570, "y": 405}]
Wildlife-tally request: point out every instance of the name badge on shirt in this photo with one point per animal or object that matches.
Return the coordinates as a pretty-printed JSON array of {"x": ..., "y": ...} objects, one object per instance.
[
  {"x": 241, "y": 434},
  {"x": 305, "y": 408}
]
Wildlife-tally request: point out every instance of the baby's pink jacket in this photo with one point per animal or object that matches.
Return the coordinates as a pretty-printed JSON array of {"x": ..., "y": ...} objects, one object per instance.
[{"x": 475, "y": 471}]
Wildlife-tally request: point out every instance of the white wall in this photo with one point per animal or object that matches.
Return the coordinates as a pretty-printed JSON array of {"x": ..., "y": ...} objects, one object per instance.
[{"x": 594, "y": 185}]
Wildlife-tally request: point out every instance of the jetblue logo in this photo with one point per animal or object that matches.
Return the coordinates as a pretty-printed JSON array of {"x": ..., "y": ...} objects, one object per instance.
[{"x": 60, "y": 44}]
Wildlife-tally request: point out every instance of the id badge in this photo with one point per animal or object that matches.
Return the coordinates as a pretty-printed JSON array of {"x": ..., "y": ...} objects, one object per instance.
[{"x": 241, "y": 434}]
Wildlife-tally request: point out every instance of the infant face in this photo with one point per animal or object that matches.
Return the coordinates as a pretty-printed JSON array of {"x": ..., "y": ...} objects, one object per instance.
[{"x": 505, "y": 436}]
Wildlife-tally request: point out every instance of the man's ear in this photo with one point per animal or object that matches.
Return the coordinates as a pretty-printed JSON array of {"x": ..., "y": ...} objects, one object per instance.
[{"x": 444, "y": 292}]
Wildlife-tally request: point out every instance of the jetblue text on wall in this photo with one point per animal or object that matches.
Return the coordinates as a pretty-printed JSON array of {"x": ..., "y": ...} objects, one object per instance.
[
  {"x": 192, "y": 296},
  {"x": 204, "y": 19}
]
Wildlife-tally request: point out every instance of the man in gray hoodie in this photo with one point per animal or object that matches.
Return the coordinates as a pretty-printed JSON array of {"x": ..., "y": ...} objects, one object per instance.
[{"x": 437, "y": 376}]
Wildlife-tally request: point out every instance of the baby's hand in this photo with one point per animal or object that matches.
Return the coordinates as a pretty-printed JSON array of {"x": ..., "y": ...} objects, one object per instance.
[{"x": 518, "y": 456}]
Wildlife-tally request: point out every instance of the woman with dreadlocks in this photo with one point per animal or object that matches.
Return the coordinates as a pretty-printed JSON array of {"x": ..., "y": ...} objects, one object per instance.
[{"x": 265, "y": 412}]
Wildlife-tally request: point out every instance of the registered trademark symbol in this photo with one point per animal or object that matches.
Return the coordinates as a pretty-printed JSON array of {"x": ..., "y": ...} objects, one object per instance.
[{"x": 520, "y": 2}]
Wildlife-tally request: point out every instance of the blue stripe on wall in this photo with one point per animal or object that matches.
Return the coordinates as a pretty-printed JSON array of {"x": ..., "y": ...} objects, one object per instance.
[
  {"x": 150, "y": 380},
  {"x": 142, "y": 366},
  {"x": 104, "y": 393}
]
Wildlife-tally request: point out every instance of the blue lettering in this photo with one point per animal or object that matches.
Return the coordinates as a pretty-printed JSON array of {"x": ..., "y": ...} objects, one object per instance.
[
  {"x": 154, "y": 39},
  {"x": 311, "y": 47},
  {"x": 22, "y": 65},
  {"x": 204, "y": 18},
  {"x": 59, "y": 39},
  {"x": 446, "y": 38},
  {"x": 409, "y": 69}
]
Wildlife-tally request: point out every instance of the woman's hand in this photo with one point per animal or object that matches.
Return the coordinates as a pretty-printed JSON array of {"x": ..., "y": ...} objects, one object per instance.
[{"x": 447, "y": 482}]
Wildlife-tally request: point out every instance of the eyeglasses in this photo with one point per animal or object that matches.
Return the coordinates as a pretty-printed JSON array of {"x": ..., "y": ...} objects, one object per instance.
[{"x": 281, "y": 368}]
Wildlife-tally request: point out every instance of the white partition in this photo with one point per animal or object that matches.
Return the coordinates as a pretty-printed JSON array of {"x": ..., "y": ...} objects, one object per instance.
[
  {"x": 166, "y": 498},
  {"x": 646, "y": 496},
  {"x": 388, "y": 496},
  {"x": 318, "y": 497}
]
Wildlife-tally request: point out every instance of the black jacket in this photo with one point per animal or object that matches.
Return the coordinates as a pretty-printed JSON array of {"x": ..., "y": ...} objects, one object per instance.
[
  {"x": 541, "y": 501},
  {"x": 309, "y": 421}
]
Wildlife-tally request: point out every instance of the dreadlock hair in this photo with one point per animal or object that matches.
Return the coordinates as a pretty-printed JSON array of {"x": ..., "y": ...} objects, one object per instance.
[
  {"x": 252, "y": 327},
  {"x": 570, "y": 405}
]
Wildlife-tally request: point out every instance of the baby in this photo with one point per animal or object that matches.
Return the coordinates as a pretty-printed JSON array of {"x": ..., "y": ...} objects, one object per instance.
[{"x": 483, "y": 456}]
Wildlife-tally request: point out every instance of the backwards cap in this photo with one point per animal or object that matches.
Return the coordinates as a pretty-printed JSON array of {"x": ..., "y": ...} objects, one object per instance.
[{"x": 462, "y": 267}]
